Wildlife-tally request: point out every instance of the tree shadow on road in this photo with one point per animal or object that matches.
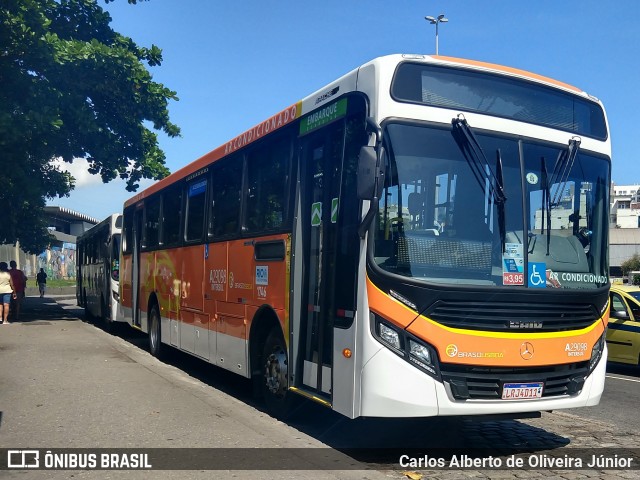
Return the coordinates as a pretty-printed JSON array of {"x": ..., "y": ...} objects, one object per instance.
[
  {"x": 378, "y": 442},
  {"x": 36, "y": 310}
]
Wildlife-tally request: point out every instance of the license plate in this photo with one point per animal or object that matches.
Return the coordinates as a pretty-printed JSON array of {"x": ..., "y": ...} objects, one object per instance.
[{"x": 522, "y": 391}]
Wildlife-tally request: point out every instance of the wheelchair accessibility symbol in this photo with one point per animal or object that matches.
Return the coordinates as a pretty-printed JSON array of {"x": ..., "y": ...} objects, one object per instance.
[{"x": 536, "y": 275}]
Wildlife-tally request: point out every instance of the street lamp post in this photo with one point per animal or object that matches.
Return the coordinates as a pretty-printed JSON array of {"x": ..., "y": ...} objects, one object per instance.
[{"x": 436, "y": 21}]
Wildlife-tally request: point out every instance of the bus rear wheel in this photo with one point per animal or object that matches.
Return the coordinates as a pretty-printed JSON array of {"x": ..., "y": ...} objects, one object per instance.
[
  {"x": 155, "y": 336},
  {"x": 105, "y": 318},
  {"x": 275, "y": 388}
]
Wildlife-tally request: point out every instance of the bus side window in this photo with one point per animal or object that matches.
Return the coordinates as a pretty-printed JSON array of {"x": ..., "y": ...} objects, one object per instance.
[
  {"x": 226, "y": 187},
  {"x": 196, "y": 209},
  {"x": 127, "y": 243},
  {"x": 152, "y": 223},
  {"x": 171, "y": 215},
  {"x": 267, "y": 186}
]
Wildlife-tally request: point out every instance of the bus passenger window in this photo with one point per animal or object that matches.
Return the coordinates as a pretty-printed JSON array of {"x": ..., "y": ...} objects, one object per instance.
[
  {"x": 226, "y": 185},
  {"x": 196, "y": 208},
  {"x": 152, "y": 223},
  {"x": 127, "y": 243},
  {"x": 268, "y": 172},
  {"x": 171, "y": 214}
]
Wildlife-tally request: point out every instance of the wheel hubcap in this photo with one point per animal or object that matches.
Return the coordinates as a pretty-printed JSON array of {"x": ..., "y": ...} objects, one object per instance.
[
  {"x": 276, "y": 371},
  {"x": 154, "y": 333}
]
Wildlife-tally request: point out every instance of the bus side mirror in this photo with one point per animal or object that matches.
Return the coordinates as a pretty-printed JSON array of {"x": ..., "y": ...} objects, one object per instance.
[{"x": 367, "y": 166}]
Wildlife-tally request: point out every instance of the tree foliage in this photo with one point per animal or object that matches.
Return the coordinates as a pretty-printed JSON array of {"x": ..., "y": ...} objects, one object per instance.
[
  {"x": 632, "y": 264},
  {"x": 72, "y": 87}
]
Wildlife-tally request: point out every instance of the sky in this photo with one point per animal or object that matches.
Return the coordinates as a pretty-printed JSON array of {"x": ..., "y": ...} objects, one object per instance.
[{"x": 235, "y": 63}]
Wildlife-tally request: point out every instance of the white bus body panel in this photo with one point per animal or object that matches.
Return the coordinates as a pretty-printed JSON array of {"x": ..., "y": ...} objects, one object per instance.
[{"x": 391, "y": 387}]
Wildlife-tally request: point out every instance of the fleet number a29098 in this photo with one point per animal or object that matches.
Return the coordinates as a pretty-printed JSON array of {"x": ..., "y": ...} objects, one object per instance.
[{"x": 576, "y": 349}]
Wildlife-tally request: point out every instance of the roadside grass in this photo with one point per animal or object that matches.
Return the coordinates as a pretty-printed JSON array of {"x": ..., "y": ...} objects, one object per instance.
[
  {"x": 59, "y": 282},
  {"x": 54, "y": 282}
]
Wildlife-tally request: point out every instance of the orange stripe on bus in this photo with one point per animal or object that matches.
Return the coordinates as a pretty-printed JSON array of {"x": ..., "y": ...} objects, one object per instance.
[
  {"x": 511, "y": 70},
  {"x": 488, "y": 348}
]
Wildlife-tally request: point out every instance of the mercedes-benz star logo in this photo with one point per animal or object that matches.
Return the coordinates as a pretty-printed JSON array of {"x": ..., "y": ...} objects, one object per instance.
[{"x": 526, "y": 351}]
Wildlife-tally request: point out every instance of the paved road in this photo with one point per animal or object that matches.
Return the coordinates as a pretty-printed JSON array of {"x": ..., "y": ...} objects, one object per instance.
[
  {"x": 69, "y": 384},
  {"x": 621, "y": 399}
]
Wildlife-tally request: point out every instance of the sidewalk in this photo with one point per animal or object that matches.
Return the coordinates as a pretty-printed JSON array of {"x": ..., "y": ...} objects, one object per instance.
[
  {"x": 65, "y": 383},
  {"x": 36, "y": 309}
]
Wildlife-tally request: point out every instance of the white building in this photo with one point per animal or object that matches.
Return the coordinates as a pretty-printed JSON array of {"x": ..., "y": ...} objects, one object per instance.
[{"x": 625, "y": 206}]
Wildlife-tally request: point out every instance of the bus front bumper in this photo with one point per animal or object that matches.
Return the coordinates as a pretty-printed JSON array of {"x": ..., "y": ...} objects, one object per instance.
[{"x": 391, "y": 387}]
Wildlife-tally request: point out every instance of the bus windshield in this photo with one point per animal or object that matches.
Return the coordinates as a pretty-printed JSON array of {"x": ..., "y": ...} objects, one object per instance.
[{"x": 440, "y": 220}]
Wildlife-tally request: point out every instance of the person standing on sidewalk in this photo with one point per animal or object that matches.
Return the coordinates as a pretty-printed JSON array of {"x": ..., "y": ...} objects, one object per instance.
[
  {"x": 41, "y": 279},
  {"x": 19, "y": 280},
  {"x": 6, "y": 291}
]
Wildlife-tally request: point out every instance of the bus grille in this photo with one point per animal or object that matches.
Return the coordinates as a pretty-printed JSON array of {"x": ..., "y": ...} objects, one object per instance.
[
  {"x": 500, "y": 317},
  {"x": 485, "y": 383}
]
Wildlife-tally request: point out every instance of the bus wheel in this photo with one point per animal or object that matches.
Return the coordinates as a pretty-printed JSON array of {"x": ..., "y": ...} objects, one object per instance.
[
  {"x": 87, "y": 314},
  {"x": 275, "y": 386},
  {"x": 155, "y": 340},
  {"x": 106, "y": 321}
]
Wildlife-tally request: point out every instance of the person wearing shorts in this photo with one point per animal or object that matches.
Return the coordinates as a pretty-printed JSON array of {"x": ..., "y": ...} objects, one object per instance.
[{"x": 6, "y": 292}]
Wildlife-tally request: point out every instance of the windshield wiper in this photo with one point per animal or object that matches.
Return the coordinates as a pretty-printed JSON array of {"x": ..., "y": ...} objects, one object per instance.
[
  {"x": 562, "y": 168},
  {"x": 500, "y": 184},
  {"x": 475, "y": 157},
  {"x": 546, "y": 201},
  {"x": 482, "y": 171},
  {"x": 560, "y": 176}
]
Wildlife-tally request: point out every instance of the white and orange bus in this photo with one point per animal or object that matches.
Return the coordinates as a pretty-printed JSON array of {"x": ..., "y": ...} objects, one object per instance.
[
  {"x": 98, "y": 269},
  {"x": 424, "y": 236}
]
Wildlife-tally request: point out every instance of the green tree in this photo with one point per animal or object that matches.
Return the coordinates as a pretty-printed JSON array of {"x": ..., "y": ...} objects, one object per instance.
[
  {"x": 71, "y": 87},
  {"x": 631, "y": 264}
]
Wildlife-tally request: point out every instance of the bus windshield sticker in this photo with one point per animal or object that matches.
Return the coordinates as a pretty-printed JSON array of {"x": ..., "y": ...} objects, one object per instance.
[
  {"x": 513, "y": 264},
  {"x": 323, "y": 116},
  {"x": 536, "y": 275},
  {"x": 316, "y": 214},
  {"x": 262, "y": 275},
  {"x": 334, "y": 210}
]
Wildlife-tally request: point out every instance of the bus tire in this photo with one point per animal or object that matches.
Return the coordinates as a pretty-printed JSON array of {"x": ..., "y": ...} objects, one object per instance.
[
  {"x": 87, "y": 314},
  {"x": 106, "y": 321},
  {"x": 156, "y": 348},
  {"x": 275, "y": 388}
]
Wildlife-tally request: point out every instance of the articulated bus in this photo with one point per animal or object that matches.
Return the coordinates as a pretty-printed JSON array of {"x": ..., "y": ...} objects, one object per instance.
[
  {"x": 424, "y": 236},
  {"x": 98, "y": 270}
]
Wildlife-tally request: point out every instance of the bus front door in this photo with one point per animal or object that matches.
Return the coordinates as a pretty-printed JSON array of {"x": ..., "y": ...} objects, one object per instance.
[
  {"x": 135, "y": 270},
  {"x": 321, "y": 167}
]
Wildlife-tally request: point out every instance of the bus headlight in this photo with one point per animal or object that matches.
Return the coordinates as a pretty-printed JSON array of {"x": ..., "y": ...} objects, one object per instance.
[
  {"x": 423, "y": 356},
  {"x": 421, "y": 352},
  {"x": 389, "y": 335},
  {"x": 407, "y": 346},
  {"x": 596, "y": 353}
]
